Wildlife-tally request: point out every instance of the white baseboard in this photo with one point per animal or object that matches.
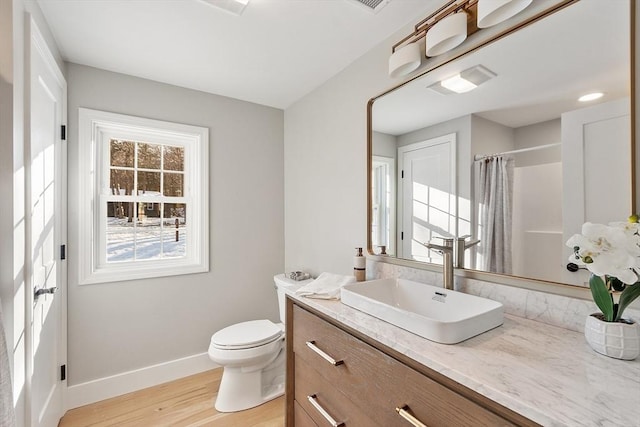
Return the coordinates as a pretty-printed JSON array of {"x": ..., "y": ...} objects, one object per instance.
[{"x": 126, "y": 382}]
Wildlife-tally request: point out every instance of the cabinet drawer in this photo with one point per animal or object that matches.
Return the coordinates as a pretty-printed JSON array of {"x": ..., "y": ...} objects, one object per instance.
[
  {"x": 301, "y": 418},
  {"x": 378, "y": 383},
  {"x": 327, "y": 397}
]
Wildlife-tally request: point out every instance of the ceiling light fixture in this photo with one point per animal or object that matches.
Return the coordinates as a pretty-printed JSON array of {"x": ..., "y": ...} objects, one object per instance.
[
  {"x": 465, "y": 81},
  {"x": 458, "y": 84},
  {"x": 449, "y": 26},
  {"x": 591, "y": 97},
  {"x": 233, "y": 6},
  {"x": 492, "y": 12}
]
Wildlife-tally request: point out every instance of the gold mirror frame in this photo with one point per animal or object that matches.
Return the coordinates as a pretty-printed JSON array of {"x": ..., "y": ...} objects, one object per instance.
[{"x": 515, "y": 281}]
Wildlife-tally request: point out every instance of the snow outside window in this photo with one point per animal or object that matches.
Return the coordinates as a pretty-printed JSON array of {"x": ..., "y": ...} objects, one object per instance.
[{"x": 144, "y": 198}]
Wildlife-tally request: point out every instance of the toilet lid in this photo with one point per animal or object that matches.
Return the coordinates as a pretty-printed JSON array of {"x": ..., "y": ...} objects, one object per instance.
[{"x": 247, "y": 334}]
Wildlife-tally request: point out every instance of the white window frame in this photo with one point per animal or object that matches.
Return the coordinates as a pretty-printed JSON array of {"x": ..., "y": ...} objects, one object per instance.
[{"x": 96, "y": 129}]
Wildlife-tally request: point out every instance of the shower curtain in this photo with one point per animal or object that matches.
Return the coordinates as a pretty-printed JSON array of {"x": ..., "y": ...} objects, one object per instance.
[
  {"x": 495, "y": 200},
  {"x": 7, "y": 416}
]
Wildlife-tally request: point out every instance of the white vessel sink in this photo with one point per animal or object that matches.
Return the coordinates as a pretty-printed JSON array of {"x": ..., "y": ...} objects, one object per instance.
[{"x": 431, "y": 312}]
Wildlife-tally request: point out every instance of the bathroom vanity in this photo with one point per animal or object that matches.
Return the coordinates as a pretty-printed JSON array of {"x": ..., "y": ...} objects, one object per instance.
[{"x": 345, "y": 367}]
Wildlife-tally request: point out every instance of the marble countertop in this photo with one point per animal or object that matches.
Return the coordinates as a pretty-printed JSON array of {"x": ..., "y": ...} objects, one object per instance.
[{"x": 545, "y": 373}]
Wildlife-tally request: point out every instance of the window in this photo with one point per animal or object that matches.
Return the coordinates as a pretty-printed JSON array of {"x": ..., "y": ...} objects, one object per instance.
[{"x": 144, "y": 198}]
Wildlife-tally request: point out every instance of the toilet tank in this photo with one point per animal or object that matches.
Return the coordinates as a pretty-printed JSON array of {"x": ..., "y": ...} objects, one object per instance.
[{"x": 283, "y": 282}]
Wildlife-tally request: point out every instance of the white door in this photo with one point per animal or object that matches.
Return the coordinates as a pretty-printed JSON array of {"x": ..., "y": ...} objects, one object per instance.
[
  {"x": 46, "y": 232},
  {"x": 383, "y": 201},
  {"x": 428, "y": 201},
  {"x": 593, "y": 141}
]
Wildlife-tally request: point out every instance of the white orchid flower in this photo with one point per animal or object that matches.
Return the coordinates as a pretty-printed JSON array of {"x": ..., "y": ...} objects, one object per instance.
[{"x": 611, "y": 250}]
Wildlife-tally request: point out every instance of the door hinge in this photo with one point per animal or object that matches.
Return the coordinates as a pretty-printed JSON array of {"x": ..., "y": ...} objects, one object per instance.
[
  {"x": 63, "y": 252},
  {"x": 63, "y": 132},
  {"x": 402, "y": 174},
  {"x": 402, "y": 235},
  {"x": 63, "y": 372}
]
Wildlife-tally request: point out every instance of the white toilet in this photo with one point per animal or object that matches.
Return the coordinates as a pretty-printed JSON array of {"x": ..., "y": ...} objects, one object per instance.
[{"x": 253, "y": 357}]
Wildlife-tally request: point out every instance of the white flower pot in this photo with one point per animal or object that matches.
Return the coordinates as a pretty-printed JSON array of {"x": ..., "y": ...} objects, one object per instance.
[{"x": 614, "y": 339}]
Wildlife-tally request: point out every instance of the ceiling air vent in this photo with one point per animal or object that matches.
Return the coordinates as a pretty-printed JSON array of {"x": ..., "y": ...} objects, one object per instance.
[
  {"x": 372, "y": 5},
  {"x": 233, "y": 6}
]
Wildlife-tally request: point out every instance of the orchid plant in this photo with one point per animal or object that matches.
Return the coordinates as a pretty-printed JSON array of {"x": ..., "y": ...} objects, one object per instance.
[{"x": 612, "y": 254}]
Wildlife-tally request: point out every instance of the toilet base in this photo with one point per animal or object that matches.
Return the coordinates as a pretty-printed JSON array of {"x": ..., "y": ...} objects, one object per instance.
[{"x": 240, "y": 390}]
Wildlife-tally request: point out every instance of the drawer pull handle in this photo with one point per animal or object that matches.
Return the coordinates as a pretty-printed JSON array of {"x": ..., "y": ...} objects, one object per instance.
[
  {"x": 323, "y": 412},
  {"x": 325, "y": 356},
  {"x": 404, "y": 413}
]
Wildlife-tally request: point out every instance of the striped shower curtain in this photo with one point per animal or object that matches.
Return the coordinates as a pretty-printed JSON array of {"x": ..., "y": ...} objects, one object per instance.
[{"x": 495, "y": 199}]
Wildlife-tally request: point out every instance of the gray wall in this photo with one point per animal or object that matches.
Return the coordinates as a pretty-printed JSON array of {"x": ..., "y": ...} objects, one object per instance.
[
  {"x": 384, "y": 145},
  {"x": 117, "y": 327},
  {"x": 489, "y": 137}
]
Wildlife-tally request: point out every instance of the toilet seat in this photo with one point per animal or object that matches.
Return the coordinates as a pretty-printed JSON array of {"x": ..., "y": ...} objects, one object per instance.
[{"x": 253, "y": 333}]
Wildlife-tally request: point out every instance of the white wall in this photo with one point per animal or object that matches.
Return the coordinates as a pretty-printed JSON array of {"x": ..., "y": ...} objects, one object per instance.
[
  {"x": 117, "y": 327},
  {"x": 325, "y": 163},
  {"x": 7, "y": 289},
  {"x": 538, "y": 248}
]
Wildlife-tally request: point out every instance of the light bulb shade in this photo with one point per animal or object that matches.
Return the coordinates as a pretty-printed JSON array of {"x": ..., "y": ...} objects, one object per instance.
[
  {"x": 446, "y": 34},
  {"x": 492, "y": 12},
  {"x": 404, "y": 60}
]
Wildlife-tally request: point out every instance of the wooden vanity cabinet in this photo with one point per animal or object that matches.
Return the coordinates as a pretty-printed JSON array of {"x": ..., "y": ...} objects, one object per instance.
[{"x": 334, "y": 375}]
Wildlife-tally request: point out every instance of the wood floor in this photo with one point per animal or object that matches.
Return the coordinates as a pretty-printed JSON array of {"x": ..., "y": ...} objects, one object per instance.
[{"x": 184, "y": 402}]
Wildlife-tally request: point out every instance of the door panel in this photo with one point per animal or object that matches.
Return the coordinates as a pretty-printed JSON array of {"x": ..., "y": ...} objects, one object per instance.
[
  {"x": 46, "y": 193},
  {"x": 428, "y": 200},
  {"x": 594, "y": 138}
]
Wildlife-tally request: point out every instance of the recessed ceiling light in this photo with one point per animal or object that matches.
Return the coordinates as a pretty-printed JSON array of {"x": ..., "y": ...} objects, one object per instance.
[
  {"x": 464, "y": 81},
  {"x": 458, "y": 84},
  {"x": 591, "y": 97}
]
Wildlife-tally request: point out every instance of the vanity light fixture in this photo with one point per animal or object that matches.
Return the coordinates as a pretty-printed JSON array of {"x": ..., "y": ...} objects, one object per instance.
[
  {"x": 233, "y": 6},
  {"x": 449, "y": 26},
  {"x": 405, "y": 60},
  {"x": 465, "y": 81},
  {"x": 446, "y": 34},
  {"x": 591, "y": 97},
  {"x": 492, "y": 12}
]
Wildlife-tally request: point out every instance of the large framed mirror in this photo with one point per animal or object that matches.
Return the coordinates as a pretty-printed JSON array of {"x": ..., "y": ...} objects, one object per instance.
[{"x": 519, "y": 163}]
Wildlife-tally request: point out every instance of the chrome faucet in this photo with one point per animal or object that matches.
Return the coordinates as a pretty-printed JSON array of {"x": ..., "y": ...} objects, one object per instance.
[
  {"x": 446, "y": 249},
  {"x": 461, "y": 246}
]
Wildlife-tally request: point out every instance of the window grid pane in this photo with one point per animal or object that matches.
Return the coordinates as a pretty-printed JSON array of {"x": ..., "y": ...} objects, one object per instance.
[
  {"x": 145, "y": 226},
  {"x": 121, "y": 153},
  {"x": 142, "y": 168},
  {"x": 145, "y": 231}
]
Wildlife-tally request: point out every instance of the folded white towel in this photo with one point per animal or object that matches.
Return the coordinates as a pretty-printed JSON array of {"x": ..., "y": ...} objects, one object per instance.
[{"x": 326, "y": 286}]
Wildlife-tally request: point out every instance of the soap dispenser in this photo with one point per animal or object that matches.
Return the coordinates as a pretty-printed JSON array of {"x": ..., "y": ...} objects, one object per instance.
[{"x": 359, "y": 266}]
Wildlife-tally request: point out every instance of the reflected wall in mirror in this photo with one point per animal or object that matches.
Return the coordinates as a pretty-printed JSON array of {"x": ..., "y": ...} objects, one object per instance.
[{"x": 518, "y": 163}]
